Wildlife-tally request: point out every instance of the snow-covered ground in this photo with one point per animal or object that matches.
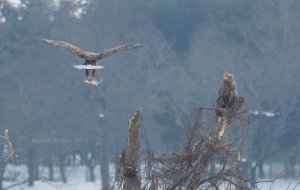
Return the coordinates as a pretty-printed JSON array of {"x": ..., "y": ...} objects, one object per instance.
[
  {"x": 76, "y": 177},
  {"x": 281, "y": 184},
  {"x": 39, "y": 185}
]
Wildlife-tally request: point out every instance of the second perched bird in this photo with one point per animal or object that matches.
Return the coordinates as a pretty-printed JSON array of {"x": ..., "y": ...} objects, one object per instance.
[
  {"x": 228, "y": 101},
  {"x": 91, "y": 58}
]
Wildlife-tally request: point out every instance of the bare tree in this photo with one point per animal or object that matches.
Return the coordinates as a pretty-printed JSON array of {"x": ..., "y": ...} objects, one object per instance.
[{"x": 208, "y": 142}]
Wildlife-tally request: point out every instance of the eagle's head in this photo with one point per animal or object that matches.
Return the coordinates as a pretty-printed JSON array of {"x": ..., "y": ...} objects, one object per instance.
[
  {"x": 228, "y": 77},
  {"x": 229, "y": 81}
]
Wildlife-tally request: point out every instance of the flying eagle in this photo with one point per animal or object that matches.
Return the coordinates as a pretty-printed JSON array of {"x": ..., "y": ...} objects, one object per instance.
[
  {"x": 91, "y": 58},
  {"x": 228, "y": 102}
]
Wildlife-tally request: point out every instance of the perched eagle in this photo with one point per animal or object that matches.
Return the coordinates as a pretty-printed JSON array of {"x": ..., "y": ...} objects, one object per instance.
[
  {"x": 91, "y": 58},
  {"x": 228, "y": 101}
]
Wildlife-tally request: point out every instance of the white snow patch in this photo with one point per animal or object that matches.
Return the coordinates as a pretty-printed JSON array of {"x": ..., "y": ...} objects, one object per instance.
[
  {"x": 78, "y": 7},
  {"x": 51, "y": 18},
  {"x": 264, "y": 113},
  {"x": 16, "y": 4},
  {"x": 78, "y": 12},
  {"x": 83, "y": 2},
  {"x": 268, "y": 114},
  {"x": 76, "y": 177},
  {"x": 78, "y": 2},
  {"x": 280, "y": 184},
  {"x": 54, "y": 4},
  {"x": 2, "y": 19},
  {"x": 89, "y": 155},
  {"x": 255, "y": 112}
]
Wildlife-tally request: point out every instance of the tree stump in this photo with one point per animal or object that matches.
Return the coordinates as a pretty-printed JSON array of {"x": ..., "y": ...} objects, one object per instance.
[{"x": 130, "y": 157}]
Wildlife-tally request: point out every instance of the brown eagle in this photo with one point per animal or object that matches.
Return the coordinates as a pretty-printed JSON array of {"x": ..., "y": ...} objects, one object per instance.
[
  {"x": 228, "y": 102},
  {"x": 91, "y": 58}
]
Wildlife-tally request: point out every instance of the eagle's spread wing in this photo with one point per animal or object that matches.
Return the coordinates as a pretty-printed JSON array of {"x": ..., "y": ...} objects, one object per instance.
[
  {"x": 75, "y": 50},
  {"x": 114, "y": 50}
]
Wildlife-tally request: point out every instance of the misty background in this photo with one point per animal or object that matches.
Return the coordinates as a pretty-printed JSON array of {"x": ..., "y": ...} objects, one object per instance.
[{"x": 188, "y": 46}]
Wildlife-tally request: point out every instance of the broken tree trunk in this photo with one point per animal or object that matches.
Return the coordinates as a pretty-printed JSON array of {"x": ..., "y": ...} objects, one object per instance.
[{"x": 130, "y": 157}]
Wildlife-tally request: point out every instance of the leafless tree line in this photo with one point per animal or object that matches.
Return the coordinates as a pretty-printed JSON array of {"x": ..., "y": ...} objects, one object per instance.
[{"x": 208, "y": 156}]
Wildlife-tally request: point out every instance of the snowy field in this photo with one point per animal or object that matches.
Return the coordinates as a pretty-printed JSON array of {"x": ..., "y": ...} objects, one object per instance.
[
  {"x": 76, "y": 177},
  {"x": 281, "y": 184}
]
